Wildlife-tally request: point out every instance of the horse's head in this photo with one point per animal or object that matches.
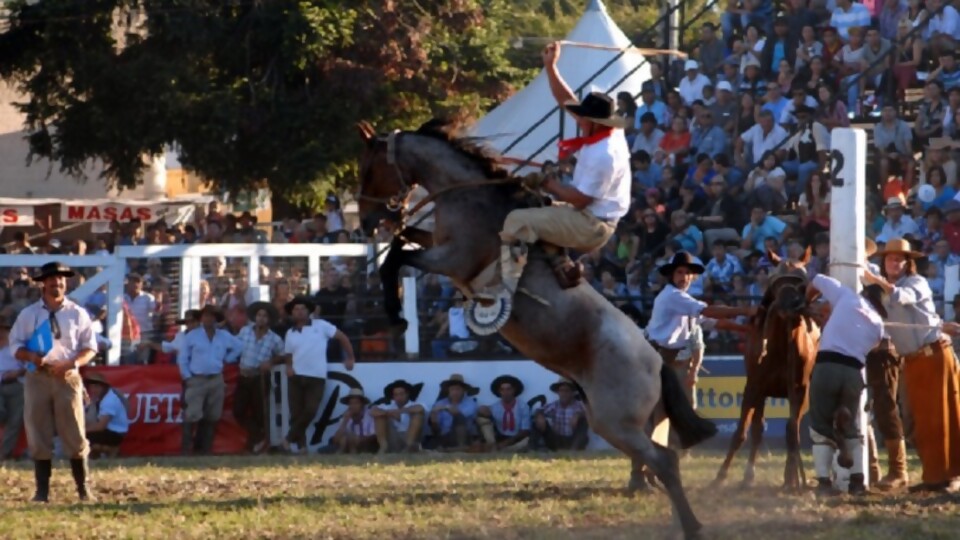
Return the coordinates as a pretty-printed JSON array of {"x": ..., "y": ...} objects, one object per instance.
[
  {"x": 788, "y": 270},
  {"x": 382, "y": 186}
]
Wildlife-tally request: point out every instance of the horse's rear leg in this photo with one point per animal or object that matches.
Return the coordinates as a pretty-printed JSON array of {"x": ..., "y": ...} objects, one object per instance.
[{"x": 756, "y": 437}]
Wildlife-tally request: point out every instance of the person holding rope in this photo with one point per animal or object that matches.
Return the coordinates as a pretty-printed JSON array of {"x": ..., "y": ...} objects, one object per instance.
[
  {"x": 586, "y": 212},
  {"x": 854, "y": 328},
  {"x": 930, "y": 367}
]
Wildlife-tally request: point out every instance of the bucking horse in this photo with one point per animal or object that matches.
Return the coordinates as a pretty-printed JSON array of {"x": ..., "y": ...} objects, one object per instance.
[{"x": 574, "y": 332}]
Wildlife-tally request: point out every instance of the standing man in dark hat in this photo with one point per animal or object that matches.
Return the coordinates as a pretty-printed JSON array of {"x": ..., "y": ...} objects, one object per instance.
[
  {"x": 55, "y": 337},
  {"x": 505, "y": 425},
  {"x": 12, "y": 372},
  {"x": 454, "y": 414},
  {"x": 586, "y": 212},
  {"x": 205, "y": 351},
  {"x": 305, "y": 350},
  {"x": 262, "y": 348}
]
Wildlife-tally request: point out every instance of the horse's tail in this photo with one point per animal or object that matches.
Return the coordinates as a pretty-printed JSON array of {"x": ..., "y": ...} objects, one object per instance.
[{"x": 690, "y": 427}]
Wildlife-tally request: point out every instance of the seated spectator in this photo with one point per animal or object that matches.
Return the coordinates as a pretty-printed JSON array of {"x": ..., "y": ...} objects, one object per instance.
[
  {"x": 939, "y": 154},
  {"x": 453, "y": 335},
  {"x": 747, "y": 114},
  {"x": 724, "y": 111},
  {"x": 759, "y": 175},
  {"x": 893, "y": 141},
  {"x": 731, "y": 73},
  {"x": 627, "y": 109},
  {"x": 943, "y": 28},
  {"x": 847, "y": 16},
  {"x": 660, "y": 87},
  {"x": 891, "y": 13},
  {"x": 646, "y": 174},
  {"x": 722, "y": 209},
  {"x": 698, "y": 177},
  {"x": 562, "y": 424},
  {"x": 685, "y": 232},
  {"x": 399, "y": 423},
  {"x": 454, "y": 415},
  {"x": 754, "y": 40},
  {"x": 710, "y": 51},
  {"x": 733, "y": 176},
  {"x": 650, "y": 104},
  {"x": 907, "y": 58},
  {"x": 505, "y": 424},
  {"x": 653, "y": 232},
  {"x": 648, "y": 136},
  {"x": 109, "y": 414},
  {"x": 774, "y": 101},
  {"x": 820, "y": 260},
  {"x": 929, "y": 122},
  {"x": 777, "y": 47},
  {"x": 798, "y": 97},
  {"x": 896, "y": 225},
  {"x": 875, "y": 68},
  {"x": 849, "y": 64},
  {"x": 816, "y": 75},
  {"x": 944, "y": 193},
  {"x": 941, "y": 257},
  {"x": 832, "y": 113},
  {"x": 764, "y": 137},
  {"x": 931, "y": 229},
  {"x": 356, "y": 433},
  {"x": 722, "y": 267},
  {"x": 708, "y": 138},
  {"x": 813, "y": 207},
  {"x": 752, "y": 81},
  {"x": 811, "y": 146},
  {"x": 676, "y": 143},
  {"x": 808, "y": 47},
  {"x": 761, "y": 227},
  {"x": 948, "y": 72}
]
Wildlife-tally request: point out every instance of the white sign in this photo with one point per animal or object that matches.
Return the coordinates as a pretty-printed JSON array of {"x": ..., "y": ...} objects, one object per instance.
[{"x": 16, "y": 216}]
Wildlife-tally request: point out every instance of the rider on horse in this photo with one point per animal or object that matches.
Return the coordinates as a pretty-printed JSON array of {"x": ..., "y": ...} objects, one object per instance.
[
  {"x": 854, "y": 328},
  {"x": 585, "y": 213}
]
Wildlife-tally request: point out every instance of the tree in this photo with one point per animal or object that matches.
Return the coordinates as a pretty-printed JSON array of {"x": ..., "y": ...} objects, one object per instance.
[{"x": 247, "y": 90}]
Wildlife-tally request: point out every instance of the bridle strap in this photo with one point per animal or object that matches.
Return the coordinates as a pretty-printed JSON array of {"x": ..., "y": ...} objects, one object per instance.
[{"x": 392, "y": 150}]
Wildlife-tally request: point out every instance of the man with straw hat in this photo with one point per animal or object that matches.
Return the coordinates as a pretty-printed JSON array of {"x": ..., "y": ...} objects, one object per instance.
[
  {"x": 54, "y": 337},
  {"x": 262, "y": 348},
  {"x": 586, "y": 212},
  {"x": 356, "y": 433},
  {"x": 12, "y": 372},
  {"x": 455, "y": 413},
  {"x": 897, "y": 223},
  {"x": 562, "y": 424},
  {"x": 112, "y": 420},
  {"x": 929, "y": 365}
]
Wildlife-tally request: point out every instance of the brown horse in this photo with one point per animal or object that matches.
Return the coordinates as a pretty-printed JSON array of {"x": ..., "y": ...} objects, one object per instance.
[{"x": 779, "y": 357}]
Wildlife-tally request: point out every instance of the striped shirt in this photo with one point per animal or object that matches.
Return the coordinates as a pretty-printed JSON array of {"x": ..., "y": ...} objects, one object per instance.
[
  {"x": 722, "y": 273},
  {"x": 950, "y": 79},
  {"x": 562, "y": 419},
  {"x": 257, "y": 351},
  {"x": 843, "y": 21}
]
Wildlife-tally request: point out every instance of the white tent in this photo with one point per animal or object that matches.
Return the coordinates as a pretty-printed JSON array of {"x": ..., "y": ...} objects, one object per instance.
[{"x": 506, "y": 123}]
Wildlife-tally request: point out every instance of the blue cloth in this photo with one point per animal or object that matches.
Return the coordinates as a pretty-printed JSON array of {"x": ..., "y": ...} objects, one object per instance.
[
  {"x": 712, "y": 141},
  {"x": 776, "y": 108},
  {"x": 649, "y": 178},
  {"x": 722, "y": 273},
  {"x": 778, "y": 55},
  {"x": 659, "y": 109},
  {"x": 205, "y": 356},
  {"x": 467, "y": 409},
  {"x": 112, "y": 406},
  {"x": 770, "y": 226},
  {"x": 946, "y": 195},
  {"x": 689, "y": 239}
]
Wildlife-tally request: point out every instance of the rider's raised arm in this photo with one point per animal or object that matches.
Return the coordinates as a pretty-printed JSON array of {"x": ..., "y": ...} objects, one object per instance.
[{"x": 558, "y": 87}]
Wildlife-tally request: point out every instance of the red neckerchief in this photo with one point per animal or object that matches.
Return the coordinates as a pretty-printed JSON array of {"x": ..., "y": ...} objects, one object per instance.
[
  {"x": 572, "y": 146},
  {"x": 509, "y": 419}
]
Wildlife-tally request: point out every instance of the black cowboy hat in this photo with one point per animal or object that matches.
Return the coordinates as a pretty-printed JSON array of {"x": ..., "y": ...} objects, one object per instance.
[
  {"x": 96, "y": 378},
  {"x": 190, "y": 315},
  {"x": 213, "y": 310},
  {"x": 458, "y": 380},
  {"x": 514, "y": 382},
  {"x": 599, "y": 108},
  {"x": 388, "y": 389},
  {"x": 563, "y": 381},
  {"x": 255, "y": 308},
  {"x": 53, "y": 269},
  {"x": 681, "y": 258},
  {"x": 353, "y": 394},
  {"x": 300, "y": 300}
]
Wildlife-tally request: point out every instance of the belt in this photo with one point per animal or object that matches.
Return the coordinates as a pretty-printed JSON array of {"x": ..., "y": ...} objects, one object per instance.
[
  {"x": 205, "y": 375},
  {"x": 669, "y": 355},
  {"x": 928, "y": 350},
  {"x": 831, "y": 357}
]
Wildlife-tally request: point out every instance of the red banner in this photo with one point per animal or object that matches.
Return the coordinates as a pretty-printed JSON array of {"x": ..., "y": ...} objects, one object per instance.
[{"x": 155, "y": 424}]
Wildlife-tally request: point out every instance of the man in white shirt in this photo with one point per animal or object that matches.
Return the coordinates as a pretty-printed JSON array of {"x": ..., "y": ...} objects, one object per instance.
[
  {"x": 836, "y": 386},
  {"x": 943, "y": 29},
  {"x": 897, "y": 224},
  {"x": 763, "y": 136},
  {"x": 143, "y": 306},
  {"x": 305, "y": 349},
  {"x": 691, "y": 87},
  {"x": 399, "y": 423},
  {"x": 586, "y": 212}
]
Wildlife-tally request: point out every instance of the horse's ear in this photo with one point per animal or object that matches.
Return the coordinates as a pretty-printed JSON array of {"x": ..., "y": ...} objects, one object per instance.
[
  {"x": 773, "y": 257},
  {"x": 806, "y": 256},
  {"x": 366, "y": 130}
]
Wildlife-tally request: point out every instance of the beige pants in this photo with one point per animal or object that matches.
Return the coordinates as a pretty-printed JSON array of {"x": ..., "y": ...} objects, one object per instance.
[
  {"x": 54, "y": 406},
  {"x": 561, "y": 225},
  {"x": 204, "y": 398}
]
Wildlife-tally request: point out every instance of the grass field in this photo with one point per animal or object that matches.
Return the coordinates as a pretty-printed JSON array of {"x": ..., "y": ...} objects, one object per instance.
[{"x": 441, "y": 496}]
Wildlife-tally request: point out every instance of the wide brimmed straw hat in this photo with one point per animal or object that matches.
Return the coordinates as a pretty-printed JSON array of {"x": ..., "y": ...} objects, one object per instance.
[
  {"x": 354, "y": 393},
  {"x": 899, "y": 246},
  {"x": 563, "y": 381},
  {"x": 598, "y": 108}
]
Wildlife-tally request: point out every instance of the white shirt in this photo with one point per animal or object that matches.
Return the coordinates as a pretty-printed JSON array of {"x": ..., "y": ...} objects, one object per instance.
[
  {"x": 946, "y": 22},
  {"x": 457, "y": 323},
  {"x": 854, "y": 327},
  {"x": 308, "y": 346},
  {"x": 603, "y": 173},
  {"x": 672, "y": 321},
  {"x": 423, "y": 219},
  {"x": 905, "y": 226},
  {"x": 143, "y": 308},
  {"x": 691, "y": 91},
  {"x": 760, "y": 143},
  {"x": 787, "y": 116},
  {"x": 401, "y": 424}
]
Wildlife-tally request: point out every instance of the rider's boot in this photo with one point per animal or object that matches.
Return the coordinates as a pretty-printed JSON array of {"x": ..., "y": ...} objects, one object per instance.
[{"x": 513, "y": 258}]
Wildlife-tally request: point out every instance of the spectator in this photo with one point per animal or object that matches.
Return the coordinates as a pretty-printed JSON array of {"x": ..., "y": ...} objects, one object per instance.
[
  {"x": 893, "y": 141},
  {"x": 786, "y": 77},
  {"x": 675, "y": 145},
  {"x": 691, "y": 87},
  {"x": 948, "y": 72},
  {"x": 733, "y": 176},
  {"x": 724, "y": 111},
  {"x": 753, "y": 43},
  {"x": 847, "y": 15},
  {"x": 721, "y": 268},
  {"x": 110, "y": 417},
  {"x": 953, "y": 105},
  {"x": 708, "y": 138},
  {"x": 505, "y": 424},
  {"x": 811, "y": 145},
  {"x": 764, "y": 137},
  {"x": 799, "y": 96},
  {"x": 799, "y": 18},
  {"x": 816, "y": 76},
  {"x": 452, "y": 333},
  {"x": 356, "y": 433},
  {"x": 944, "y": 193},
  {"x": 722, "y": 207},
  {"x": 761, "y": 227},
  {"x": 645, "y": 173},
  {"x": 650, "y": 106},
  {"x": 777, "y": 48},
  {"x": 943, "y": 28},
  {"x": 143, "y": 306},
  {"x": 876, "y": 65},
  {"x": 684, "y": 231},
  {"x": 939, "y": 155},
  {"x": 774, "y": 101},
  {"x": 917, "y": 14},
  {"x": 649, "y": 136},
  {"x": 808, "y": 47},
  {"x": 941, "y": 257},
  {"x": 562, "y": 424},
  {"x": 931, "y": 229},
  {"x": 897, "y": 225},
  {"x": 627, "y": 109},
  {"x": 849, "y": 65},
  {"x": 747, "y": 118},
  {"x": 710, "y": 51},
  {"x": 892, "y": 12},
  {"x": 752, "y": 81},
  {"x": 813, "y": 207},
  {"x": 832, "y": 113},
  {"x": 660, "y": 87},
  {"x": 454, "y": 415},
  {"x": 653, "y": 232},
  {"x": 951, "y": 227},
  {"x": 399, "y": 423},
  {"x": 731, "y": 73},
  {"x": 930, "y": 117},
  {"x": 832, "y": 45}
]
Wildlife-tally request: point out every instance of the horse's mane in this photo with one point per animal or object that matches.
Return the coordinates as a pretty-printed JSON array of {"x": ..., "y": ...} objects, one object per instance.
[{"x": 471, "y": 147}]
